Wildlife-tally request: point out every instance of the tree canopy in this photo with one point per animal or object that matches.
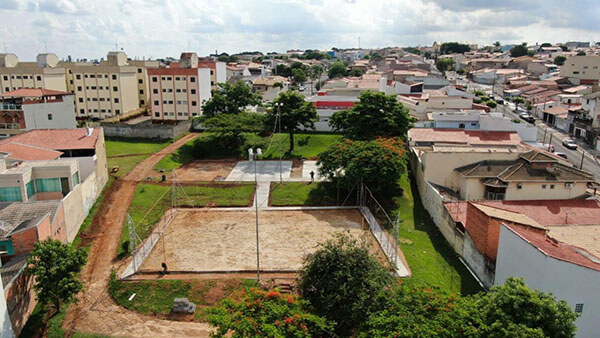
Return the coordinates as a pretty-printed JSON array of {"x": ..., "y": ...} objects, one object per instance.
[
  {"x": 518, "y": 50},
  {"x": 559, "y": 60},
  {"x": 299, "y": 75},
  {"x": 229, "y": 129},
  {"x": 267, "y": 314},
  {"x": 454, "y": 47},
  {"x": 444, "y": 64},
  {"x": 341, "y": 280},
  {"x": 356, "y": 72},
  {"x": 55, "y": 267},
  {"x": 230, "y": 99},
  {"x": 375, "y": 114},
  {"x": 337, "y": 69},
  {"x": 296, "y": 113},
  {"x": 376, "y": 163}
]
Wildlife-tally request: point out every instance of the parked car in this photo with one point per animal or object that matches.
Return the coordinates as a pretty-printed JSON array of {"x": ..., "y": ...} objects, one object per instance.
[
  {"x": 527, "y": 117},
  {"x": 499, "y": 100},
  {"x": 563, "y": 155},
  {"x": 302, "y": 88},
  {"x": 569, "y": 144}
]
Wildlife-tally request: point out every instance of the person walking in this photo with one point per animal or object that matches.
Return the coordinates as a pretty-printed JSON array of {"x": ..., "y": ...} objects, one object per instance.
[{"x": 312, "y": 176}]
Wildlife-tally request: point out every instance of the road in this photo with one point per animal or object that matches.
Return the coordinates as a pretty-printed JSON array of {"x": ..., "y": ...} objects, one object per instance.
[{"x": 589, "y": 162}]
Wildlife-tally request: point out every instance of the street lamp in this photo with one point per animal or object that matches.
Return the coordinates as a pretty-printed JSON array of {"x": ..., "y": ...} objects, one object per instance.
[
  {"x": 253, "y": 156},
  {"x": 279, "y": 105}
]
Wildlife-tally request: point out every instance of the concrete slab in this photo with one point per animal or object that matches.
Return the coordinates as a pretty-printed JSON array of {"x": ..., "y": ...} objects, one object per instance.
[
  {"x": 307, "y": 167},
  {"x": 266, "y": 171},
  {"x": 262, "y": 194}
]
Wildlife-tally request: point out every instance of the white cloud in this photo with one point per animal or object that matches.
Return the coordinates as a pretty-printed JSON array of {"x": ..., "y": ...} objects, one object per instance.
[{"x": 158, "y": 28}]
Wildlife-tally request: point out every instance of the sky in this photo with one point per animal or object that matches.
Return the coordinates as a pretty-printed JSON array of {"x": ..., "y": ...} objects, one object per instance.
[{"x": 160, "y": 28}]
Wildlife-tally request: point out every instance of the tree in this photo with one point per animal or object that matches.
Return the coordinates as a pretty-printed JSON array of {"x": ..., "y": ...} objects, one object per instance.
[
  {"x": 375, "y": 114},
  {"x": 376, "y": 163},
  {"x": 497, "y": 44},
  {"x": 295, "y": 111},
  {"x": 229, "y": 128},
  {"x": 518, "y": 101},
  {"x": 581, "y": 53},
  {"x": 337, "y": 69},
  {"x": 419, "y": 311},
  {"x": 518, "y": 50},
  {"x": 444, "y": 64},
  {"x": 315, "y": 73},
  {"x": 283, "y": 70},
  {"x": 299, "y": 76},
  {"x": 55, "y": 267},
  {"x": 454, "y": 47},
  {"x": 515, "y": 308},
  {"x": 341, "y": 280},
  {"x": 559, "y": 60},
  {"x": 491, "y": 104},
  {"x": 546, "y": 44},
  {"x": 230, "y": 99},
  {"x": 267, "y": 314},
  {"x": 356, "y": 72}
]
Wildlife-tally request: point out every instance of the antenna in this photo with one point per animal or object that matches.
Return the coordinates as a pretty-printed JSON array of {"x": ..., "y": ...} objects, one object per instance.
[
  {"x": 45, "y": 47},
  {"x": 116, "y": 47}
]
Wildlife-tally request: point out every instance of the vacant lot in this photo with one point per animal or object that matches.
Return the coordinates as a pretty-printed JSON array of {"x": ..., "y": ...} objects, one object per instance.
[
  {"x": 205, "y": 170},
  {"x": 205, "y": 240},
  {"x": 127, "y": 153}
]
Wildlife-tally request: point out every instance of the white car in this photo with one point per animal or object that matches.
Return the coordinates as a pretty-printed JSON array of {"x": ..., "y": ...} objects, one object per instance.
[{"x": 569, "y": 144}]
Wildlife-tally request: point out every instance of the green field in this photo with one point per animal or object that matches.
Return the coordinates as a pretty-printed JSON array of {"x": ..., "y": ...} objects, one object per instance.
[
  {"x": 147, "y": 206},
  {"x": 306, "y": 193},
  {"x": 180, "y": 157},
  {"x": 429, "y": 256},
  {"x": 127, "y": 153}
]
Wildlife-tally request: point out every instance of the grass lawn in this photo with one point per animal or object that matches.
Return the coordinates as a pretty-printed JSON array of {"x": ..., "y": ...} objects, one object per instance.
[
  {"x": 306, "y": 193},
  {"x": 156, "y": 297},
  {"x": 146, "y": 195},
  {"x": 429, "y": 256},
  {"x": 306, "y": 146},
  {"x": 175, "y": 160},
  {"x": 130, "y": 146}
]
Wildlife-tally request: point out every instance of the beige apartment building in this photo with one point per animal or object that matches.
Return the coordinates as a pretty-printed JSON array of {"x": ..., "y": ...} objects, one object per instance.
[
  {"x": 44, "y": 73},
  {"x": 586, "y": 68},
  {"x": 177, "y": 93}
]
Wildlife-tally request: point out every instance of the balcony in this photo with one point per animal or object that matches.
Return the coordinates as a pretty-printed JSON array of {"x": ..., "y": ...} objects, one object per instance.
[{"x": 10, "y": 106}]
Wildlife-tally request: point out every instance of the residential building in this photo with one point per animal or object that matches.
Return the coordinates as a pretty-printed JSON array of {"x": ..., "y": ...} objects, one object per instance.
[
  {"x": 563, "y": 260},
  {"x": 179, "y": 93},
  {"x": 327, "y": 105},
  {"x": 218, "y": 70},
  {"x": 142, "y": 79},
  {"x": 269, "y": 87},
  {"x": 45, "y": 73},
  {"x": 34, "y": 108},
  {"x": 445, "y": 99},
  {"x": 493, "y": 63},
  {"x": 584, "y": 69}
]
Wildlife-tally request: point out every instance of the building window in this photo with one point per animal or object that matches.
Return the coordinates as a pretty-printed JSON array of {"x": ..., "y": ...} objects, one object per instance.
[
  {"x": 81, "y": 100},
  {"x": 140, "y": 81},
  {"x": 170, "y": 101},
  {"x": 543, "y": 186},
  {"x": 156, "y": 114},
  {"x": 192, "y": 79},
  {"x": 139, "y": 70},
  {"x": 7, "y": 89},
  {"x": 575, "y": 72},
  {"x": 163, "y": 78},
  {"x": 115, "y": 89},
  {"x": 117, "y": 111},
  {"x": 39, "y": 78},
  {"x": 154, "y": 79},
  {"x": 155, "y": 91},
  {"x": 78, "y": 76},
  {"x": 169, "y": 78},
  {"x": 194, "y": 103},
  {"x": 116, "y": 100},
  {"x": 10, "y": 194},
  {"x": 142, "y": 102},
  {"x": 141, "y": 92},
  {"x": 212, "y": 83},
  {"x": 49, "y": 117},
  {"x": 193, "y": 91},
  {"x": 30, "y": 189},
  {"x": 579, "y": 308},
  {"x": 82, "y": 111},
  {"x": 114, "y": 76},
  {"x": 177, "y": 78},
  {"x": 79, "y": 88},
  {"x": 156, "y": 102},
  {"x": 519, "y": 186},
  {"x": 75, "y": 179},
  {"x": 48, "y": 185},
  {"x": 5, "y": 78},
  {"x": 551, "y": 186}
]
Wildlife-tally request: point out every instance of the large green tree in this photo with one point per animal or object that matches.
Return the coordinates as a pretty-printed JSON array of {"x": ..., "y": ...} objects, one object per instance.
[
  {"x": 518, "y": 50},
  {"x": 55, "y": 267},
  {"x": 376, "y": 163},
  {"x": 341, "y": 280},
  {"x": 513, "y": 310},
  {"x": 230, "y": 99},
  {"x": 454, "y": 47},
  {"x": 229, "y": 129},
  {"x": 559, "y": 60},
  {"x": 296, "y": 113},
  {"x": 299, "y": 75},
  {"x": 444, "y": 64},
  {"x": 267, "y": 314},
  {"x": 375, "y": 114},
  {"x": 337, "y": 69}
]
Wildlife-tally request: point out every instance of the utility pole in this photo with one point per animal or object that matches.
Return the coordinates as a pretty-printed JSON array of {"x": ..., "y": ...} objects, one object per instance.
[
  {"x": 253, "y": 156},
  {"x": 550, "y": 142},
  {"x": 582, "y": 157},
  {"x": 279, "y": 104}
]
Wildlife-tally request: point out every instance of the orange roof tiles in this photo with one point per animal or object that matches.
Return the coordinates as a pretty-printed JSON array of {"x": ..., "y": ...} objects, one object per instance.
[
  {"x": 474, "y": 137},
  {"x": 33, "y": 92},
  {"x": 57, "y": 139},
  {"x": 24, "y": 152}
]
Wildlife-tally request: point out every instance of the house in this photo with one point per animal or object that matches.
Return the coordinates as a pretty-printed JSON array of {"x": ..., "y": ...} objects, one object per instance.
[
  {"x": 582, "y": 69},
  {"x": 540, "y": 67},
  {"x": 533, "y": 176},
  {"x": 35, "y": 108},
  {"x": 327, "y": 104},
  {"x": 563, "y": 260},
  {"x": 445, "y": 99},
  {"x": 269, "y": 87},
  {"x": 491, "y": 63},
  {"x": 556, "y": 117}
]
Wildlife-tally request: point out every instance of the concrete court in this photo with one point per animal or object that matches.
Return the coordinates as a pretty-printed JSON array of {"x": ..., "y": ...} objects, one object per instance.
[{"x": 266, "y": 171}]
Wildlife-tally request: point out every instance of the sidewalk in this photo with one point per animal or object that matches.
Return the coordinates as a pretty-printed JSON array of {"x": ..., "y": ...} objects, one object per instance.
[{"x": 561, "y": 135}]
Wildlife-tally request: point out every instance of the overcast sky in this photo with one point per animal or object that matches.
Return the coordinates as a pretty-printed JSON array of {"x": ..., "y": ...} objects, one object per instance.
[{"x": 159, "y": 28}]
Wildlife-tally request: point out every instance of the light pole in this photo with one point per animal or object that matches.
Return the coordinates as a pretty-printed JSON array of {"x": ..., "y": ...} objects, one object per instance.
[
  {"x": 278, "y": 105},
  {"x": 253, "y": 155}
]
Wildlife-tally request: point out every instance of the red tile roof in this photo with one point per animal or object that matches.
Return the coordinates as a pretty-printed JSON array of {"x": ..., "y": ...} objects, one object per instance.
[
  {"x": 33, "y": 92},
  {"x": 553, "y": 212},
  {"x": 24, "y": 152},
  {"x": 474, "y": 137},
  {"x": 554, "y": 248},
  {"x": 57, "y": 139}
]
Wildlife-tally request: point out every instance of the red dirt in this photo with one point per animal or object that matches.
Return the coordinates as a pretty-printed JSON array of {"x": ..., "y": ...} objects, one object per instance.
[{"x": 96, "y": 311}]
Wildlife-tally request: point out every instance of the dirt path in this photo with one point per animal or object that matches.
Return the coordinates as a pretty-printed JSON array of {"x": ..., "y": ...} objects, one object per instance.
[{"x": 96, "y": 312}]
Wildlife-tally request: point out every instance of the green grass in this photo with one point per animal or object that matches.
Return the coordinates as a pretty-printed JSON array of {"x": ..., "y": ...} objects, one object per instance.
[
  {"x": 146, "y": 195},
  {"x": 306, "y": 193},
  {"x": 429, "y": 256},
  {"x": 129, "y": 146},
  {"x": 175, "y": 160},
  {"x": 156, "y": 297},
  {"x": 125, "y": 164}
]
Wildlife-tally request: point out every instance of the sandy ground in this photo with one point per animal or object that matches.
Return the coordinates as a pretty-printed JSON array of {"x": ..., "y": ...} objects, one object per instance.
[
  {"x": 203, "y": 240},
  {"x": 205, "y": 170},
  {"x": 96, "y": 312}
]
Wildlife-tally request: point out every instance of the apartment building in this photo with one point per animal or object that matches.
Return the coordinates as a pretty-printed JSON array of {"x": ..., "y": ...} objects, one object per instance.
[
  {"x": 34, "y": 108},
  {"x": 44, "y": 73},
  {"x": 177, "y": 93},
  {"x": 218, "y": 70},
  {"x": 585, "y": 68}
]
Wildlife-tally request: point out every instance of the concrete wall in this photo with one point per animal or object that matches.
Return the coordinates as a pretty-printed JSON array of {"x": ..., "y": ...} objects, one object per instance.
[
  {"x": 477, "y": 262},
  {"x": 534, "y": 191},
  {"x": 20, "y": 300},
  {"x": 6, "y": 330},
  {"x": 77, "y": 204},
  {"x": 448, "y": 228},
  {"x": 570, "y": 282},
  {"x": 63, "y": 115},
  {"x": 142, "y": 130}
]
